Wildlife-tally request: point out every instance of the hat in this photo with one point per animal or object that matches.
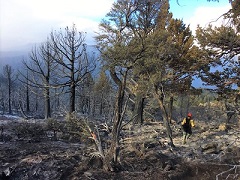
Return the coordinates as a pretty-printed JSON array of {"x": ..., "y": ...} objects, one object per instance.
[{"x": 189, "y": 114}]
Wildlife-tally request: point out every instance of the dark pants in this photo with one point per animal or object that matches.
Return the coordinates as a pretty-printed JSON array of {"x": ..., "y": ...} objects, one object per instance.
[{"x": 187, "y": 132}]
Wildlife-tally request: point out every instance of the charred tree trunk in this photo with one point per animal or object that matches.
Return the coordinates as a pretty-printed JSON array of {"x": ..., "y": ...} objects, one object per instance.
[
  {"x": 47, "y": 104},
  {"x": 3, "y": 107},
  {"x": 166, "y": 121},
  {"x": 101, "y": 105},
  {"x": 8, "y": 72},
  {"x": 160, "y": 99},
  {"x": 27, "y": 96},
  {"x": 72, "y": 97},
  {"x": 111, "y": 158},
  {"x": 9, "y": 98},
  {"x": 230, "y": 112},
  {"x": 237, "y": 106},
  {"x": 138, "y": 109},
  {"x": 182, "y": 112},
  {"x": 36, "y": 103},
  {"x": 170, "y": 109}
]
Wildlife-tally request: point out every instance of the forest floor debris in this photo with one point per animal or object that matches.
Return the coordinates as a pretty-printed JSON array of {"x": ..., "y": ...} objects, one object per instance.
[{"x": 211, "y": 153}]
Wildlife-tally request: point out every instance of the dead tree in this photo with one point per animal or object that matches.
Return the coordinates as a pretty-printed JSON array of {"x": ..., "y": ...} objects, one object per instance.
[
  {"x": 70, "y": 53},
  {"x": 9, "y": 75}
]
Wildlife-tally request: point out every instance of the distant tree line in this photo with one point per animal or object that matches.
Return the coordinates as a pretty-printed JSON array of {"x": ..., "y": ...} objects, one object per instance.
[{"x": 57, "y": 77}]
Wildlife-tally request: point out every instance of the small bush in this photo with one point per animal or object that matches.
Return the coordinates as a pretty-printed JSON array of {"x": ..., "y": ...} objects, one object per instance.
[
  {"x": 30, "y": 131},
  {"x": 76, "y": 128}
]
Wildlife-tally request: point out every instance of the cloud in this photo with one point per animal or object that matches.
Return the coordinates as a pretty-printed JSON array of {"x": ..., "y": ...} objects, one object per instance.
[
  {"x": 31, "y": 21},
  {"x": 205, "y": 15}
]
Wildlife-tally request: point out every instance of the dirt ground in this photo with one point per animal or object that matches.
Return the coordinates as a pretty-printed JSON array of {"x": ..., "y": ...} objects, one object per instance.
[{"x": 145, "y": 154}]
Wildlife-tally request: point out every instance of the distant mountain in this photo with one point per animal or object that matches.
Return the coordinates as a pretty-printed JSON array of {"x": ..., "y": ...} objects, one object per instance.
[{"x": 14, "y": 59}]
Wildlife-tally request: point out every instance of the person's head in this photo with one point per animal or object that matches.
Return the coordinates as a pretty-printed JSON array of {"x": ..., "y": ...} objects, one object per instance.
[{"x": 189, "y": 115}]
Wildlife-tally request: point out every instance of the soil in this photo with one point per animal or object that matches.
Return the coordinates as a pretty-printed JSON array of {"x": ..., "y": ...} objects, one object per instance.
[{"x": 211, "y": 153}]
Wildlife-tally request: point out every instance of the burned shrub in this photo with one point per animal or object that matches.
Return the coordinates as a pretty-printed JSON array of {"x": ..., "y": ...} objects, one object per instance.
[
  {"x": 30, "y": 131},
  {"x": 75, "y": 129},
  {"x": 54, "y": 126}
]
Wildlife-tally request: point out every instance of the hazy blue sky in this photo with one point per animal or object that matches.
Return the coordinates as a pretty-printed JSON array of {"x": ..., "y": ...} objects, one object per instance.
[{"x": 24, "y": 22}]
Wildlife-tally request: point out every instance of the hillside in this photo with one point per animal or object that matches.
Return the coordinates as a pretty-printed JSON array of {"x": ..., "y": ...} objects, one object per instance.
[{"x": 212, "y": 153}]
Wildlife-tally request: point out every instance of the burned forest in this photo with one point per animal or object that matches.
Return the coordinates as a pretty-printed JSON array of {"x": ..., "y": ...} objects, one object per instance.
[{"x": 117, "y": 109}]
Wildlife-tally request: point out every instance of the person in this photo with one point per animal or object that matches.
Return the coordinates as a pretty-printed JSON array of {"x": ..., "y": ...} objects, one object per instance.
[{"x": 187, "y": 125}]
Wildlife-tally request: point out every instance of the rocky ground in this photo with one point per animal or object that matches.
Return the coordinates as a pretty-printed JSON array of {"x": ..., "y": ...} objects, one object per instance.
[{"x": 213, "y": 152}]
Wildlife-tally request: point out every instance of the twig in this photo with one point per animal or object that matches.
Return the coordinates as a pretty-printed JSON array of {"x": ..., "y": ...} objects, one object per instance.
[
  {"x": 97, "y": 139},
  {"x": 129, "y": 121},
  {"x": 234, "y": 167},
  {"x": 105, "y": 127},
  {"x": 21, "y": 109},
  {"x": 228, "y": 146},
  {"x": 99, "y": 142}
]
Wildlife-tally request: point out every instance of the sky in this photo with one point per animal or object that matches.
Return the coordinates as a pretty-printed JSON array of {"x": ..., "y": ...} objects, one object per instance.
[{"x": 24, "y": 23}]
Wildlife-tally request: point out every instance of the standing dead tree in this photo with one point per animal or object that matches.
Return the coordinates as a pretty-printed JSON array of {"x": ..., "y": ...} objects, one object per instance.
[
  {"x": 40, "y": 69},
  {"x": 71, "y": 56},
  {"x": 10, "y": 78}
]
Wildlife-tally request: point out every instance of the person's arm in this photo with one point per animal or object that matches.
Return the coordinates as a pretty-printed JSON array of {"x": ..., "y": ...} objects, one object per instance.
[
  {"x": 192, "y": 123},
  {"x": 184, "y": 121}
]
